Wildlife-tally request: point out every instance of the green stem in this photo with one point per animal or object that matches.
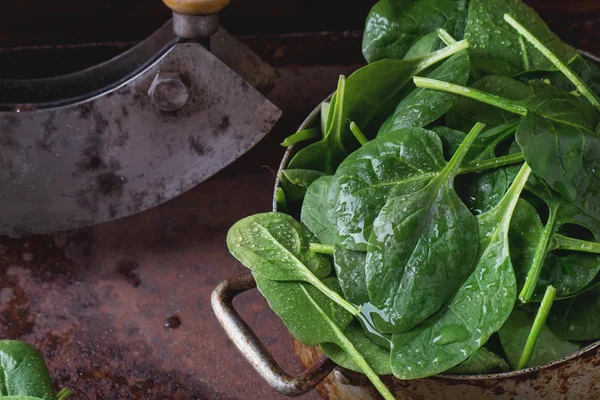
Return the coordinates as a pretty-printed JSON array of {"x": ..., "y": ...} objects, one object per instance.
[
  {"x": 493, "y": 163},
  {"x": 367, "y": 370},
  {"x": 538, "y": 260},
  {"x": 321, "y": 248},
  {"x": 301, "y": 136},
  {"x": 345, "y": 344},
  {"x": 63, "y": 394},
  {"x": 441, "y": 54},
  {"x": 362, "y": 139},
  {"x": 538, "y": 323},
  {"x": 560, "y": 242},
  {"x": 333, "y": 295},
  {"x": 568, "y": 72},
  {"x": 446, "y": 37},
  {"x": 453, "y": 166},
  {"x": 471, "y": 93}
]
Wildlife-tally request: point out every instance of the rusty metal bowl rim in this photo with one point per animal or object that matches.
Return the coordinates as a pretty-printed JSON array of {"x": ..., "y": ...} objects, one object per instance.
[{"x": 307, "y": 123}]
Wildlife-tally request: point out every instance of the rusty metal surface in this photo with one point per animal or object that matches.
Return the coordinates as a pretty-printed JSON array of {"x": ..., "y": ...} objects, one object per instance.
[
  {"x": 252, "y": 348},
  {"x": 122, "y": 310},
  {"x": 117, "y": 154}
]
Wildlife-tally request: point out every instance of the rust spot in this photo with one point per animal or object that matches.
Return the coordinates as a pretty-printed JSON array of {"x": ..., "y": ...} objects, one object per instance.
[
  {"x": 101, "y": 123},
  {"x": 49, "y": 128},
  {"x": 110, "y": 184},
  {"x": 91, "y": 160},
  {"x": 173, "y": 322},
  {"x": 128, "y": 269},
  {"x": 198, "y": 147}
]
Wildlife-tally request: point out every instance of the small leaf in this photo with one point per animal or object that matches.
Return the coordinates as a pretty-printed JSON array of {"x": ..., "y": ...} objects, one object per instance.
[
  {"x": 295, "y": 182},
  {"x": 577, "y": 318}
]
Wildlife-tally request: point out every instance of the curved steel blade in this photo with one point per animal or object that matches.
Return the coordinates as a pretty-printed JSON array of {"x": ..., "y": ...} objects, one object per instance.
[{"x": 116, "y": 155}]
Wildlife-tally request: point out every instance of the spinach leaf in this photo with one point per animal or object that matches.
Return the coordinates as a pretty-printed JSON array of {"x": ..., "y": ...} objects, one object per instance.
[
  {"x": 350, "y": 270},
  {"x": 499, "y": 49},
  {"x": 23, "y": 371},
  {"x": 300, "y": 136},
  {"x": 377, "y": 357},
  {"x": 295, "y": 182},
  {"x": 406, "y": 159},
  {"x": 477, "y": 310},
  {"x": 548, "y": 348},
  {"x": 482, "y": 361},
  {"x": 421, "y": 107},
  {"x": 421, "y": 249},
  {"x": 314, "y": 213},
  {"x": 276, "y": 246},
  {"x": 314, "y": 319},
  {"x": 367, "y": 97},
  {"x": 577, "y": 318},
  {"x": 393, "y": 26}
]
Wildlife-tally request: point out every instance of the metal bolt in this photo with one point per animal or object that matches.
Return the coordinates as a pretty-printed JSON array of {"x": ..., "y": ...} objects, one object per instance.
[{"x": 168, "y": 92}]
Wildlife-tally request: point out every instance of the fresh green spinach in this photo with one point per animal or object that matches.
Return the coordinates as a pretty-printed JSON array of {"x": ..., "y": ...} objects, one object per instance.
[
  {"x": 314, "y": 319},
  {"x": 367, "y": 97},
  {"x": 394, "y": 26},
  {"x": 422, "y": 107},
  {"x": 499, "y": 49},
  {"x": 24, "y": 374},
  {"x": 422, "y": 247},
  {"x": 276, "y": 246},
  {"x": 477, "y": 310}
]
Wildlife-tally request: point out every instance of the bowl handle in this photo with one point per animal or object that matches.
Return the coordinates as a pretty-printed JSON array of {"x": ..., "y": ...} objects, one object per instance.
[{"x": 251, "y": 347}]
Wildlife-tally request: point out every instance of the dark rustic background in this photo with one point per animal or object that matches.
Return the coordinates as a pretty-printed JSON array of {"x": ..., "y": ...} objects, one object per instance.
[{"x": 121, "y": 310}]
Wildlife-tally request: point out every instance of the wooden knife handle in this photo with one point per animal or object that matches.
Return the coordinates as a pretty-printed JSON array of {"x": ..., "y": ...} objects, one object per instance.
[{"x": 196, "y": 7}]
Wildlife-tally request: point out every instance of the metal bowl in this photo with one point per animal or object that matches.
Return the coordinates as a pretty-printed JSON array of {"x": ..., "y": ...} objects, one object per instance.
[{"x": 574, "y": 377}]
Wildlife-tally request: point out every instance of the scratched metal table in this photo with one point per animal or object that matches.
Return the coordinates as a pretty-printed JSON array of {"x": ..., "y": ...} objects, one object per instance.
[{"x": 121, "y": 310}]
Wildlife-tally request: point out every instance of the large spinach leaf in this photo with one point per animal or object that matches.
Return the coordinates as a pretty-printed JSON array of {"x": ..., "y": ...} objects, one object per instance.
[
  {"x": 23, "y": 371},
  {"x": 314, "y": 212},
  {"x": 482, "y": 361},
  {"x": 393, "y": 26},
  {"x": 577, "y": 318},
  {"x": 314, "y": 319},
  {"x": 548, "y": 347},
  {"x": 367, "y": 97},
  {"x": 422, "y": 107},
  {"x": 477, "y": 310},
  {"x": 421, "y": 249},
  {"x": 276, "y": 246},
  {"x": 406, "y": 159},
  {"x": 499, "y": 49}
]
